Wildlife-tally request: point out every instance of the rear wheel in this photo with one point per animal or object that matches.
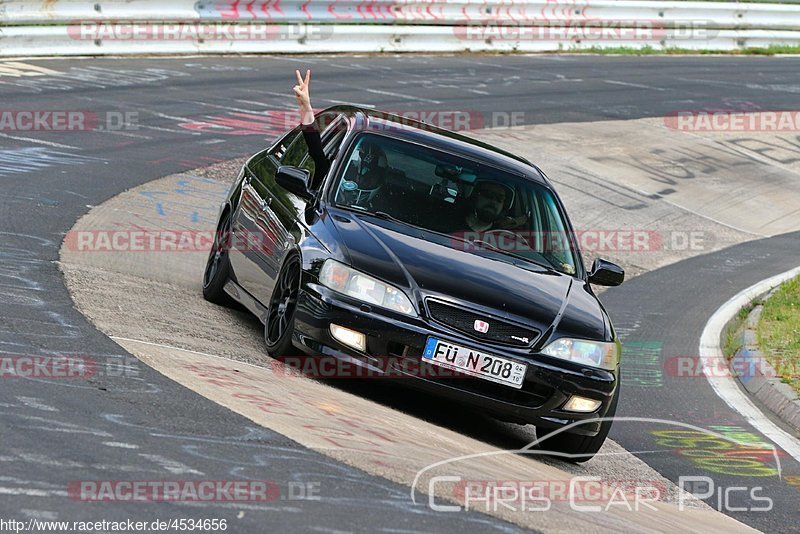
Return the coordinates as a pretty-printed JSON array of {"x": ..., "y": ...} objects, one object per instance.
[
  {"x": 282, "y": 306},
  {"x": 218, "y": 265},
  {"x": 579, "y": 448}
]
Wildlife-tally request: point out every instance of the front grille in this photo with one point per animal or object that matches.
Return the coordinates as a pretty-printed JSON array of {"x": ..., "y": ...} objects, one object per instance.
[{"x": 500, "y": 331}]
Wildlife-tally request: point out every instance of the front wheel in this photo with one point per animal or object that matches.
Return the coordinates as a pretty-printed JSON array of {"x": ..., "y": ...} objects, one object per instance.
[
  {"x": 282, "y": 306},
  {"x": 578, "y": 448}
]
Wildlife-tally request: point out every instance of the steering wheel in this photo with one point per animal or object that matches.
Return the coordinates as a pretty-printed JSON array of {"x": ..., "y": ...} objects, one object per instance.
[{"x": 518, "y": 238}]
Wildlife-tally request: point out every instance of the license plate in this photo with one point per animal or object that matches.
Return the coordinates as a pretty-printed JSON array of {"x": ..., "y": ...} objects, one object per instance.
[{"x": 474, "y": 363}]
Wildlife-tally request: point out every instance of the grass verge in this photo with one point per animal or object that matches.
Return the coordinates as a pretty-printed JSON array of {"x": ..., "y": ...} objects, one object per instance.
[
  {"x": 651, "y": 51},
  {"x": 779, "y": 332},
  {"x": 732, "y": 334}
]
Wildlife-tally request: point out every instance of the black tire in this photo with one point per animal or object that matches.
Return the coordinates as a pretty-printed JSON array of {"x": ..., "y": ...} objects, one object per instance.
[
  {"x": 218, "y": 267},
  {"x": 582, "y": 447},
  {"x": 279, "y": 327}
]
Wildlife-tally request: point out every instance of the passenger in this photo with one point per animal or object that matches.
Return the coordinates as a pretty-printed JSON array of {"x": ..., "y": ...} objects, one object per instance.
[
  {"x": 310, "y": 129},
  {"x": 367, "y": 171}
]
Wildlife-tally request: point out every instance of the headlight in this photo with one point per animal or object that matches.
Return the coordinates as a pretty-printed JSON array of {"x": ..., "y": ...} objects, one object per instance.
[
  {"x": 594, "y": 353},
  {"x": 360, "y": 286}
]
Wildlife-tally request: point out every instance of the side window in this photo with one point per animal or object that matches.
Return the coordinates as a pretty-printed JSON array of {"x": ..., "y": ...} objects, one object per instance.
[
  {"x": 296, "y": 154},
  {"x": 332, "y": 143},
  {"x": 554, "y": 227},
  {"x": 326, "y": 120},
  {"x": 296, "y": 151},
  {"x": 308, "y": 164},
  {"x": 263, "y": 170},
  {"x": 293, "y": 149},
  {"x": 334, "y": 128},
  {"x": 279, "y": 151}
]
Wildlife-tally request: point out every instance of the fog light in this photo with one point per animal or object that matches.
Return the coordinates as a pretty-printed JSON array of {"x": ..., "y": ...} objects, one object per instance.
[
  {"x": 581, "y": 404},
  {"x": 351, "y": 338}
]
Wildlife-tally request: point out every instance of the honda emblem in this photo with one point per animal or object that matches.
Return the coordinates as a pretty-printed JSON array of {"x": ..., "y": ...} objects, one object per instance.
[{"x": 481, "y": 326}]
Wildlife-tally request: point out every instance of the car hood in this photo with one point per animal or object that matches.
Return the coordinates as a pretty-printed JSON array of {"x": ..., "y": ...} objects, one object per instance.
[{"x": 426, "y": 264}]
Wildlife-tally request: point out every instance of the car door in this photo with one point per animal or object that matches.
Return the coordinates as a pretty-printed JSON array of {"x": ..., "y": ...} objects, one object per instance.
[
  {"x": 261, "y": 229},
  {"x": 266, "y": 223}
]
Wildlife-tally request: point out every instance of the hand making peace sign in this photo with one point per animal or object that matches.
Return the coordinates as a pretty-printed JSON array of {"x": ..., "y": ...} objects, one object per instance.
[{"x": 301, "y": 92}]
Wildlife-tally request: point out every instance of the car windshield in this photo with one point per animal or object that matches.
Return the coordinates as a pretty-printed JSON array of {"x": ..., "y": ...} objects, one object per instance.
[{"x": 480, "y": 207}]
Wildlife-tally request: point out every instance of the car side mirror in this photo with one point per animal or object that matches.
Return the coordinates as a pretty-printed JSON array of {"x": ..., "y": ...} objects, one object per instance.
[
  {"x": 605, "y": 273},
  {"x": 295, "y": 180}
]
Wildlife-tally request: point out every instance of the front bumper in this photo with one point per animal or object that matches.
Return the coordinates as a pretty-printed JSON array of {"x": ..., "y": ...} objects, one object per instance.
[{"x": 400, "y": 340}]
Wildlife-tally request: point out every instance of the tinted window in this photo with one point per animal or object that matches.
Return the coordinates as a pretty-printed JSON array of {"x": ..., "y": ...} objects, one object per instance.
[{"x": 296, "y": 150}]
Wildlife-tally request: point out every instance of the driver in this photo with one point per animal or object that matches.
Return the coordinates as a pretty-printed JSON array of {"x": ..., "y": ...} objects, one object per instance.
[{"x": 488, "y": 202}]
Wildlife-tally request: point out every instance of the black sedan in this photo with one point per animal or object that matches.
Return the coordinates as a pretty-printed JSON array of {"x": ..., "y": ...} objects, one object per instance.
[{"x": 450, "y": 258}]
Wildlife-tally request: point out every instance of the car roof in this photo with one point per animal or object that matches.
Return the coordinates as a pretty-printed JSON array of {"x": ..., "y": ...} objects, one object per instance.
[{"x": 427, "y": 134}]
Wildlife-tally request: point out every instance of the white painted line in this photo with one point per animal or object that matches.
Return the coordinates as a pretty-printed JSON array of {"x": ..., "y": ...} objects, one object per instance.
[
  {"x": 125, "y": 134},
  {"x": 28, "y": 492},
  {"x": 228, "y": 108},
  {"x": 347, "y": 103},
  {"x": 170, "y": 117},
  {"x": 290, "y": 103},
  {"x": 173, "y": 466},
  {"x": 39, "y": 514},
  {"x": 383, "y": 93},
  {"x": 170, "y": 130},
  {"x": 172, "y": 347},
  {"x": 728, "y": 390},
  {"x": 708, "y": 217},
  {"x": 254, "y": 102},
  {"x": 36, "y": 404},
  {"x": 400, "y": 95},
  {"x": 38, "y": 141},
  {"x": 638, "y": 85},
  {"x": 120, "y": 445}
]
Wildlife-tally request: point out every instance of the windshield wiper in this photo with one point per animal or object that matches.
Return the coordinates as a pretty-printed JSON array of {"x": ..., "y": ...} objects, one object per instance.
[
  {"x": 387, "y": 217},
  {"x": 384, "y": 215},
  {"x": 546, "y": 266},
  {"x": 485, "y": 244}
]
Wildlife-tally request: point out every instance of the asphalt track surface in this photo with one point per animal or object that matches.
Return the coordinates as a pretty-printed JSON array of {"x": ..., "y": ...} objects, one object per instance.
[{"x": 113, "y": 428}]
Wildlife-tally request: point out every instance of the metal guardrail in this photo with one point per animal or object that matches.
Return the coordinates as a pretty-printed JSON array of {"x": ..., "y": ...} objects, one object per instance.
[
  {"x": 443, "y": 12},
  {"x": 72, "y": 27}
]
